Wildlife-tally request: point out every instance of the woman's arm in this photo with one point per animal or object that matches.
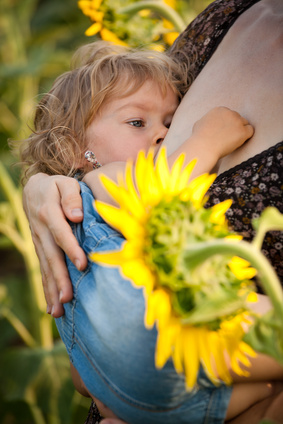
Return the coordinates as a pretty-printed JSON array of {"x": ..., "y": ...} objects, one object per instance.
[{"x": 48, "y": 202}]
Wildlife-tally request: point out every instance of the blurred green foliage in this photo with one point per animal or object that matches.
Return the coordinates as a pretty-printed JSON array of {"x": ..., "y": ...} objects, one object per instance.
[
  {"x": 35, "y": 381},
  {"x": 37, "y": 40}
]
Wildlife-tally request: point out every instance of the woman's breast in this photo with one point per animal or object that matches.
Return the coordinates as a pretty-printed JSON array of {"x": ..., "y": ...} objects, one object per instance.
[{"x": 246, "y": 74}]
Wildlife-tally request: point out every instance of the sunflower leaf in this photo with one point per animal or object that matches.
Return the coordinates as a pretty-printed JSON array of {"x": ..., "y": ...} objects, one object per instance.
[
  {"x": 212, "y": 310},
  {"x": 270, "y": 220},
  {"x": 266, "y": 336}
]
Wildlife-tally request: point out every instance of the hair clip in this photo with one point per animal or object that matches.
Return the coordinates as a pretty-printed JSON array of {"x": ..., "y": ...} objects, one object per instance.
[{"x": 90, "y": 157}]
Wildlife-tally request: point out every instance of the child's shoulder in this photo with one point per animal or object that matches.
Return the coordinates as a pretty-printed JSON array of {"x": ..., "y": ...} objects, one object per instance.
[
  {"x": 94, "y": 229},
  {"x": 90, "y": 212}
]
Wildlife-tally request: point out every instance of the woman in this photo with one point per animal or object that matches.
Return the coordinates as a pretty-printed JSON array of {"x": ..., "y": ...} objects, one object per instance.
[{"x": 241, "y": 68}]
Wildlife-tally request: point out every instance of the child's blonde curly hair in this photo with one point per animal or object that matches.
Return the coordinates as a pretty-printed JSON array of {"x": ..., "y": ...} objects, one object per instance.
[{"x": 102, "y": 72}]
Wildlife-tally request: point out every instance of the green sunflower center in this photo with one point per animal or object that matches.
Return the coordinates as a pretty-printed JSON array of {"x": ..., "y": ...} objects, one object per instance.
[{"x": 173, "y": 229}]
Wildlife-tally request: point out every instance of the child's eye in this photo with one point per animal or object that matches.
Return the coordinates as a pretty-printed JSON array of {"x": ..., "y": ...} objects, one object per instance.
[{"x": 137, "y": 123}]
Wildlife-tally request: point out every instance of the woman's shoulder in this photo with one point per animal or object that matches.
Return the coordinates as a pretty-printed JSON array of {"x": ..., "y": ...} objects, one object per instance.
[{"x": 202, "y": 36}]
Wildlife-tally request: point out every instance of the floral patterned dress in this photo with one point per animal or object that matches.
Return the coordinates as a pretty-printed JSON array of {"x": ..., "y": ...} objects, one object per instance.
[{"x": 258, "y": 182}]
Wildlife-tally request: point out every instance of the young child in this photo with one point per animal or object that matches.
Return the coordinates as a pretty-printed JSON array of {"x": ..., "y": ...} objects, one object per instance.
[{"x": 115, "y": 103}]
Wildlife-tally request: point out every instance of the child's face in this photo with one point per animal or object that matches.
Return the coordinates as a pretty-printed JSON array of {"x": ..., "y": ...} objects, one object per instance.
[{"x": 136, "y": 122}]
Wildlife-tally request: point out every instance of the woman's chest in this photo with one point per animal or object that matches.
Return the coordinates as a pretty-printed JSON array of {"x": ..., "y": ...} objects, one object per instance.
[{"x": 246, "y": 74}]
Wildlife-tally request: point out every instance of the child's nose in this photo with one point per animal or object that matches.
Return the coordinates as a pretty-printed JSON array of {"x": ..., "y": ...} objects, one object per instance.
[{"x": 160, "y": 135}]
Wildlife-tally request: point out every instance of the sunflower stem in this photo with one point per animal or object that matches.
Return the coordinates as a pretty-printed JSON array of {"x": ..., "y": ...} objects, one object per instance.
[
  {"x": 19, "y": 327},
  {"x": 157, "y": 6}
]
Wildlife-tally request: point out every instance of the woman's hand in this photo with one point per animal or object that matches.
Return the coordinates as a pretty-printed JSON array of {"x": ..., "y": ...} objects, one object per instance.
[{"x": 48, "y": 202}]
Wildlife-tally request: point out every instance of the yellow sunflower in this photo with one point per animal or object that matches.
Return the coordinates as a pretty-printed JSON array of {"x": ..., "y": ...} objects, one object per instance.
[
  {"x": 171, "y": 35},
  {"x": 196, "y": 299},
  {"x": 91, "y": 8}
]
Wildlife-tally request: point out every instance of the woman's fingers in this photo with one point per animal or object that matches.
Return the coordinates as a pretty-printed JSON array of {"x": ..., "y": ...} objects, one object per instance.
[
  {"x": 47, "y": 201},
  {"x": 51, "y": 288}
]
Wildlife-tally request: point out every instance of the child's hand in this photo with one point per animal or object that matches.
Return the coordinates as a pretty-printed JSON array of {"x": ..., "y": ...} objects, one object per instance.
[{"x": 222, "y": 131}]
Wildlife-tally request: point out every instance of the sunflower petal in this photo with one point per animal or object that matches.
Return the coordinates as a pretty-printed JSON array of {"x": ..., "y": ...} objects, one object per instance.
[
  {"x": 96, "y": 16},
  {"x": 163, "y": 348},
  {"x": 205, "y": 353},
  {"x": 218, "y": 212},
  {"x": 93, "y": 29},
  {"x": 241, "y": 269},
  {"x": 110, "y": 36},
  {"x": 109, "y": 258},
  {"x": 175, "y": 173},
  {"x": 162, "y": 170},
  {"x": 217, "y": 350},
  {"x": 139, "y": 274},
  {"x": 117, "y": 218},
  {"x": 191, "y": 356},
  {"x": 185, "y": 175},
  {"x": 199, "y": 188},
  {"x": 178, "y": 352}
]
